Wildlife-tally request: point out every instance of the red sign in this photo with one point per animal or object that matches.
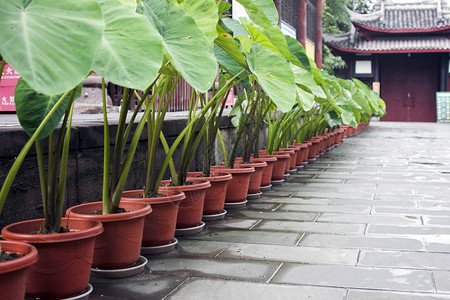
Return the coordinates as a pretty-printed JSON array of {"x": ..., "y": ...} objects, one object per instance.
[{"x": 7, "y": 88}]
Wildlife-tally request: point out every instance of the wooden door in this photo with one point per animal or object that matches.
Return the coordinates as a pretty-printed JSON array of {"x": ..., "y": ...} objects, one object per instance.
[{"x": 408, "y": 86}]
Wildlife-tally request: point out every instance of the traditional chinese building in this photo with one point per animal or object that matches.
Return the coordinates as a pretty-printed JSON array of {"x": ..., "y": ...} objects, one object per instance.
[{"x": 403, "y": 51}]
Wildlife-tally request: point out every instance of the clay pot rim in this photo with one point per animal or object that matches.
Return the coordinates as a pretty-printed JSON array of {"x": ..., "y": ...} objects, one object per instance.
[
  {"x": 253, "y": 165},
  {"x": 277, "y": 156},
  {"x": 315, "y": 141},
  {"x": 198, "y": 185},
  {"x": 30, "y": 256},
  {"x": 176, "y": 197},
  {"x": 242, "y": 170},
  {"x": 142, "y": 210},
  {"x": 76, "y": 234},
  {"x": 266, "y": 159},
  {"x": 216, "y": 178},
  {"x": 292, "y": 147},
  {"x": 285, "y": 151}
]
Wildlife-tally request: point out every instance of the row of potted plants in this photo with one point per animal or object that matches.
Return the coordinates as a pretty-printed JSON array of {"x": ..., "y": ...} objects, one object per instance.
[{"x": 147, "y": 47}]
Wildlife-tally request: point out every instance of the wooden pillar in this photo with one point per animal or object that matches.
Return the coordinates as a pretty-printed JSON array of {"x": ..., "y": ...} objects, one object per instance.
[
  {"x": 444, "y": 72},
  {"x": 318, "y": 47},
  {"x": 301, "y": 27}
]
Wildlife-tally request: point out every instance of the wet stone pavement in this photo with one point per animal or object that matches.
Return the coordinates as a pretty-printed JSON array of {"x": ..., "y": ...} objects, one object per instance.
[{"x": 368, "y": 220}]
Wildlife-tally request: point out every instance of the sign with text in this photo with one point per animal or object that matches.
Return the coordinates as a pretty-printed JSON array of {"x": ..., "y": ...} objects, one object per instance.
[
  {"x": 7, "y": 88},
  {"x": 443, "y": 107}
]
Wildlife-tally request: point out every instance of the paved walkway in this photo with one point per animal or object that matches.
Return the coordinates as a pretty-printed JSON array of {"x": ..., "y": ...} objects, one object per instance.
[{"x": 368, "y": 220}]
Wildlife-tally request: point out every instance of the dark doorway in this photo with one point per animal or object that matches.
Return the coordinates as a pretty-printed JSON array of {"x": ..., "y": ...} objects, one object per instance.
[{"x": 408, "y": 86}]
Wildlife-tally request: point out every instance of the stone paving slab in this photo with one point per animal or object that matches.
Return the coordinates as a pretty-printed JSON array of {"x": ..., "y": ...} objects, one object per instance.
[
  {"x": 356, "y": 277},
  {"x": 377, "y": 229},
  {"x": 377, "y": 295},
  {"x": 304, "y": 216},
  {"x": 442, "y": 280},
  {"x": 311, "y": 255},
  {"x": 291, "y": 200},
  {"x": 199, "y": 288},
  {"x": 369, "y": 219},
  {"x": 363, "y": 242},
  {"x": 258, "y": 237},
  {"x": 408, "y": 260},
  {"x": 234, "y": 269},
  {"x": 364, "y": 210},
  {"x": 311, "y": 227}
]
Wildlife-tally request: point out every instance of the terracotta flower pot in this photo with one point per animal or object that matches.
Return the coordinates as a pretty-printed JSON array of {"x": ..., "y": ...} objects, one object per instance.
[
  {"x": 238, "y": 186},
  {"x": 288, "y": 162},
  {"x": 256, "y": 177},
  {"x": 14, "y": 273},
  {"x": 65, "y": 259},
  {"x": 159, "y": 226},
  {"x": 306, "y": 154},
  {"x": 314, "y": 149},
  {"x": 267, "y": 171},
  {"x": 119, "y": 245},
  {"x": 191, "y": 209},
  {"x": 279, "y": 165},
  {"x": 293, "y": 162},
  {"x": 301, "y": 154},
  {"x": 215, "y": 195}
]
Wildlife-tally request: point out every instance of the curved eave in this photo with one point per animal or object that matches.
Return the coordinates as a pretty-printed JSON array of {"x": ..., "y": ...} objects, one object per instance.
[
  {"x": 349, "y": 50},
  {"x": 374, "y": 29}
]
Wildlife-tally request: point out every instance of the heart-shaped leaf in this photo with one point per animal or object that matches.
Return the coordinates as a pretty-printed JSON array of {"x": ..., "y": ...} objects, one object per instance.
[
  {"x": 205, "y": 15},
  {"x": 274, "y": 74},
  {"x": 131, "y": 52},
  {"x": 32, "y": 107},
  {"x": 50, "y": 43},
  {"x": 189, "y": 50}
]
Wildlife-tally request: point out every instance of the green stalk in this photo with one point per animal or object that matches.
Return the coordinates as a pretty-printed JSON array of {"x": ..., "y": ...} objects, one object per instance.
[
  {"x": 15, "y": 167},
  {"x": 224, "y": 150},
  {"x": 42, "y": 176},
  {"x": 106, "y": 154}
]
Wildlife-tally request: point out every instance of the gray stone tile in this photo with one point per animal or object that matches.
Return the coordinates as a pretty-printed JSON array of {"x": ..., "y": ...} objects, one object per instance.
[
  {"x": 327, "y": 208},
  {"x": 233, "y": 223},
  {"x": 427, "y": 220},
  {"x": 442, "y": 280},
  {"x": 371, "y": 202},
  {"x": 382, "y": 295},
  {"x": 438, "y": 243},
  {"x": 356, "y": 277},
  {"x": 377, "y": 229},
  {"x": 309, "y": 255},
  {"x": 414, "y": 260},
  {"x": 260, "y": 206},
  {"x": 254, "y": 271},
  {"x": 363, "y": 242},
  {"x": 335, "y": 195},
  {"x": 297, "y": 216},
  {"x": 369, "y": 219},
  {"x": 278, "y": 192},
  {"x": 244, "y": 236},
  {"x": 227, "y": 289},
  {"x": 195, "y": 247},
  {"x": 311, "y": 227},
  {"x": 314, "y": 201},
  {"x": 411, "y": 211},
  {"x": 142, "y": 286}
]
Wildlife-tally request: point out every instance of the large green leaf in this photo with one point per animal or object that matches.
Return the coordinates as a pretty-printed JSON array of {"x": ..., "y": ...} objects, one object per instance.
[
  {"x": 258, "y": 37},
  {"x": 305, "y": 99},
  {"x": 298, "y": 53},
  {"x": 50, "y": 43},
  {"x": 32, "y": 107},
  {"x": 189, "y": 50},
  {"x": 233, "y": 26},
  {"x": 230, "y": 64},
  {"x": 261, "y": 9},
  {"x": 225, "y": 41},
  {"x": 274, "y": 75},
  {"x": 205, "y": 14},
  {"x": 131, "y": 52},
  {"x": 307, "y": 82}
]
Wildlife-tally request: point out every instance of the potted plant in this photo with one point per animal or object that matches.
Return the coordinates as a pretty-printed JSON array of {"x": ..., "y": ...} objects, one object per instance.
[{"x": 43, "y": 96}]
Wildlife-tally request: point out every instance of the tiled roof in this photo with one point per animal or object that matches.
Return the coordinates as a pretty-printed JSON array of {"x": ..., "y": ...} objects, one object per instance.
[
  {"x": 393, "y": 17},
  {"x": 345, "y": 43}
]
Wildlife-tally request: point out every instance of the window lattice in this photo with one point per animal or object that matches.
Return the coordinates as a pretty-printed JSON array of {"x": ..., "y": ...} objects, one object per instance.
[
  {"x": 311, "y": 21},
  {"x": 289, "y": 12}
]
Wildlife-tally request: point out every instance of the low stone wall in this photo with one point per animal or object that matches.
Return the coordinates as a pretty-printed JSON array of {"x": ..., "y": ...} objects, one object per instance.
[{"x": 84, "y": 183}]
